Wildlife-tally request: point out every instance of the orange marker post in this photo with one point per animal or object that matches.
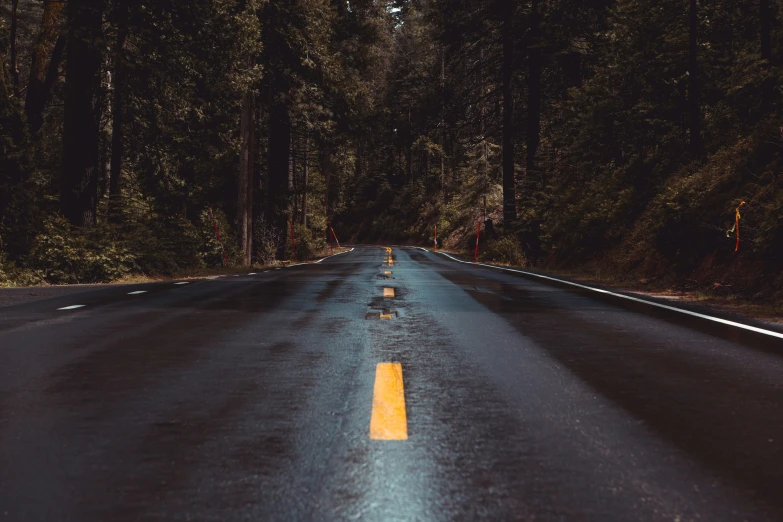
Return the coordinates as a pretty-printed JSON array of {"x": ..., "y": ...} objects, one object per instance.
[{"x": 335, "y": 236}]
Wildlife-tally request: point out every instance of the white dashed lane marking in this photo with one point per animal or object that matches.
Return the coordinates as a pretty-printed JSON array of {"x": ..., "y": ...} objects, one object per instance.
[
  {"x": 137, "y": 292},
  {"x": 72, "y": 307}
]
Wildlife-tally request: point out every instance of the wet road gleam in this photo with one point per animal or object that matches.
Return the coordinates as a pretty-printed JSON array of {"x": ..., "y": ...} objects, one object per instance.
[{"x": 251, "y": 398}]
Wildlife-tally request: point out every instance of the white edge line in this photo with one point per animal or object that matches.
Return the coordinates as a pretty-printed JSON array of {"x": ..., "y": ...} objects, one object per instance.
[
  {"x": 337, "y": 254},
  {"x": 629, "y": 298},
  {"x": 72, "y": 307},
  {"x": 137, "y": 292},
  {"x": 182, "y": 283}
]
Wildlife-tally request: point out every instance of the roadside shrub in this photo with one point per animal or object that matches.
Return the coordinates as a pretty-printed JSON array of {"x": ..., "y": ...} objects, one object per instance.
[
  {"x": 13, "y": 275},
  {"x": 63, "y": 255},
  {"x": 266, "y": 241},
  {"x": 505, "y": 250},
  {"x": 307, "y": 246},
  {"x": 6, "y": 272},
  {"x": 166, "y": 247}
]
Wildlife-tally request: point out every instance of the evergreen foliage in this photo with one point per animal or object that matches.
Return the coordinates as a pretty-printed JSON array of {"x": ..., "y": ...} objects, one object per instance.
[{"x": 623, "y": 133}]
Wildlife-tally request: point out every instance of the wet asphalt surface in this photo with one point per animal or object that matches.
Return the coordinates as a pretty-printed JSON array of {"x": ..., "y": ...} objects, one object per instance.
[{"x": 249, "y": 398}]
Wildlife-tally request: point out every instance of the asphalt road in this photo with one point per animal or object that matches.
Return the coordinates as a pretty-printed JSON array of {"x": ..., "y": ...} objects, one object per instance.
[{"x": 252, "y": 398}]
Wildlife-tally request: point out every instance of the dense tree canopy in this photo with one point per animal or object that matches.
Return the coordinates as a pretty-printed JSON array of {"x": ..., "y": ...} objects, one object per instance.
[{"x": 619, "y": 132}]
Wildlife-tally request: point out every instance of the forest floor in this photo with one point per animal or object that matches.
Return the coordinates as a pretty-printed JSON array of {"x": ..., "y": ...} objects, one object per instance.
[
  {"x": 765, "y": 311},
  {"x": 770, "y": 312},
  {"x": 14, "y": 295}
]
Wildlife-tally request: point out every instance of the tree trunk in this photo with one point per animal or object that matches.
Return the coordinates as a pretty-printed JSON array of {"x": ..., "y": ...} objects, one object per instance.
[
  {"x": 693, "y": 82},
  {"x": 442, "y": 133},
  {"x": 483, "y": 163},
  {"x": 293, "y": 186},
  {"x": 409, "y": 147},
  {"x": 277, "y": 209},
  {"x": 245, "y": 182},
  {"x": 277, "y": 205},
  {"x": 14, "y": 54},
  {"x": 533, "y": 134},
  {"x": 327, "y": 161},
  {"x": 44, "y": 64},
  {"x": 768, "y": 86},
  {"x": 572, "y": 66},
  {"x": 305, "y": 178},
  {"x": 509, "y": 188},
  {"x": 426, "y": 166},
  {"x": 79, "y": 190},
  {"x": 117, "y": 141}
]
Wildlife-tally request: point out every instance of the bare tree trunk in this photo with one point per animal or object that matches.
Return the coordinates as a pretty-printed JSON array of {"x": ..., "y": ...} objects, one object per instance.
[
  {"x": 245, "y": 181},
  {"x": 509, "y": 183},
  {"x": 305, "y": 178},
  {"x": 81, "y": 165},
  {"x": 693, "y": 82},
  {"x": 14, "y": 54},
  {"x": 117, "y": 141},
  {"x": 44, "y": 64}
]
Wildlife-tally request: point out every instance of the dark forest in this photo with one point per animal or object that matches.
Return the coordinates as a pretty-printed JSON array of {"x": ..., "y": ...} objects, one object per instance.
[{"x": 641, "y": 139}]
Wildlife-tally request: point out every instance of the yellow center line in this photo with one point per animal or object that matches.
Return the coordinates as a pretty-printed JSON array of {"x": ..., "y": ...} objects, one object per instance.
[
  {"x": 388, "y": 420},
  {"x": 387, "y": 272},
  {"x": 388, "y": 258},
  {"x": 388, "y": 292}
]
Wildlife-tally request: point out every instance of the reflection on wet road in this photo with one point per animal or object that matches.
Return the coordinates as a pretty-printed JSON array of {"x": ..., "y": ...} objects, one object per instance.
[{"x": 381, "y": 385}]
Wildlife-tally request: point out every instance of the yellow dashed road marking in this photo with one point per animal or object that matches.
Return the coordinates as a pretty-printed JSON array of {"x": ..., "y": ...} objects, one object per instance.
[
  {"x": 388, "y": 420},
  {"x": 388, "y": 292}
]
